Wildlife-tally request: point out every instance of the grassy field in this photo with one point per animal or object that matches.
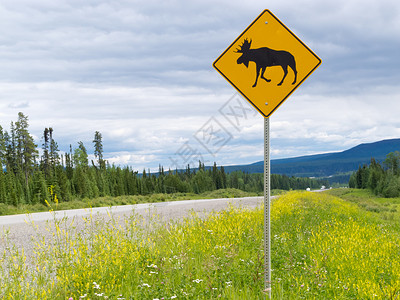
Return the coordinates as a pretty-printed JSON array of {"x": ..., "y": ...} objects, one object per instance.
[
  {"x": 330, "y": 248},
  {"x": 323, "y": 247},
  {"x": 387, "y": 208}
]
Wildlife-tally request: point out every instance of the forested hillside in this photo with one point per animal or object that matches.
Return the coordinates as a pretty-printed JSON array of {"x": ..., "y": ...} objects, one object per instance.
[
  {"x": 337, "y": 165},
  {"x": 28, "y": 176}
]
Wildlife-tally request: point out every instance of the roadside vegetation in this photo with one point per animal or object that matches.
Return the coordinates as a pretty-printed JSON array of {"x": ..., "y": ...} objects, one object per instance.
[
  {"x": 330, "y": 248},
  {"x": 383, "y": 179},
  {"x": 323, "y": 247},
  {"x": 384, "y": 208}
]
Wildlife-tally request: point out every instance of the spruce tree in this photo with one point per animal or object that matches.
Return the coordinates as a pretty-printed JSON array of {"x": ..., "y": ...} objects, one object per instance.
[
  {"x": 3, "y": 189},
  {"x": 54, "y": 157},
  {"x": 223, "y": 177},
  {"x": 11, "y": 156},
  {"x": 392, "y": 162},
  {"x": 45, "y": 160},
  {"x": 40, "y": 192},
  {"x": 81, "y": 156},
  {"x": 3, "y": 149},
  {"x": 98, "y": 150},
  {"x": 26, "y": 147},
  {"x": 68, "y": 166}
]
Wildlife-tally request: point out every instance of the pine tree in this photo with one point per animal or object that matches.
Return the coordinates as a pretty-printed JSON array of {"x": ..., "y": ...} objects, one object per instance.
[
  {"x": 45, "y": 160},
  {"x": 40, "y": 192},
  {"x": 3, "y": 149},
  {"x": 98, "y": 150},
  {"x": 223, "y": 177},
  {"x": 202, "y": 182},
  {"x": 160, "y": 180},
  {"x": 215, "y": 176},
  {"x": 392, "y": 162},
  {"x": 3, "y": 190},
  {"x": 54, "y": 157},
  {"x": 63, "y": 184},
  {"x": 11, "y": 156},
  {"x": 26, "y": 147},
  {"x": 81, "y": 156},
  {"x": 120, "y": 186},
  {"x": 68, "y": 166},
  {"x": 80, "y": 182}
]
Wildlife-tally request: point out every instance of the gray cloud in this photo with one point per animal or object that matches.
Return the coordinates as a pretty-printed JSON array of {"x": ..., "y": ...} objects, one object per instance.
[{"x": 140, "y": 72}]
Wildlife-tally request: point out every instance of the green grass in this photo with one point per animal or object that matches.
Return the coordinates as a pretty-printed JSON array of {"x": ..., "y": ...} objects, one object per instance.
[
  {"x": 330, "y": 248},
  {"x": 385, "y": 208},
  {"x": 323, "y": 247}
]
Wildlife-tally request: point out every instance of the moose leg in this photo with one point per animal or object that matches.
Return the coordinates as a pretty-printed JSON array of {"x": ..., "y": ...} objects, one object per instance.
[
  {"x": 258, "y": 73},
  {"x": 292, "y": 64},
  {"x": 262, "y": 75},
  {"x": 284, "y": 67},
  {"x": 295, "y": 75}
]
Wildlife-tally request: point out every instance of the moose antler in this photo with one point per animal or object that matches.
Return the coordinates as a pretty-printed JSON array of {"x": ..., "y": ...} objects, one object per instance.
[{"x": 244, "y": 47}]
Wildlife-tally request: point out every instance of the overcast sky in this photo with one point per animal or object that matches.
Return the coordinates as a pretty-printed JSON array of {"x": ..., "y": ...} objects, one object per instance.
[{"x": 140, "y": 72}]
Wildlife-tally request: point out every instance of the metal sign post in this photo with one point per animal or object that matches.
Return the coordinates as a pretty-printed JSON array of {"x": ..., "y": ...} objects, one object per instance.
[
  {"x": 267, "y": 210},
  {"x": 266, "y": 46}
]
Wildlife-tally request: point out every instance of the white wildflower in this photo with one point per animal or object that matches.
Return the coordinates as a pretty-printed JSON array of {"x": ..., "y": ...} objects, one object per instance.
[
  {"x": 145, "y": 284},
  {"x": 197, "y": 280},
  {"x": 95, "y": 285}
]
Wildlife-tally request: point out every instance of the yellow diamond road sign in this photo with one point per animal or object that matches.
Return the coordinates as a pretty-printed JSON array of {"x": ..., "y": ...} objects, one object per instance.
[{"x": 266, "y": 63}]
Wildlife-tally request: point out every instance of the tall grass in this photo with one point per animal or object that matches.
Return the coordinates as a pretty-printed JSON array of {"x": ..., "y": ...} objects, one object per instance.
[
  {"x": 220, "y": 256},
  {"x": 326, "y": 248},
  {"x": 322, "y": 248}
]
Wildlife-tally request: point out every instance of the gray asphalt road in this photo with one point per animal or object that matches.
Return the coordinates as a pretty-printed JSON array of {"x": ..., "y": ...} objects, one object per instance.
[
  {"x": 20, "y": 228},
  {"x": 162, "y": 207}
]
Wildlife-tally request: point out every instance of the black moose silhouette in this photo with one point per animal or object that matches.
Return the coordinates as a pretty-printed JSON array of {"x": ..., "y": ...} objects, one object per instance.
[{"x": 265, "y": 57}]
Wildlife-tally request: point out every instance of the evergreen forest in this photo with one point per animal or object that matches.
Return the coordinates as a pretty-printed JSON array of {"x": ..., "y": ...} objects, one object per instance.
[
  {"x": 383, "y": 179},
  {"x": 30, "y": 176}
]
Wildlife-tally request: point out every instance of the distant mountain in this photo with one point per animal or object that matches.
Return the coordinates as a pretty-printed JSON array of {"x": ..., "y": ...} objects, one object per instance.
[{"x": 327, "y": 164}]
